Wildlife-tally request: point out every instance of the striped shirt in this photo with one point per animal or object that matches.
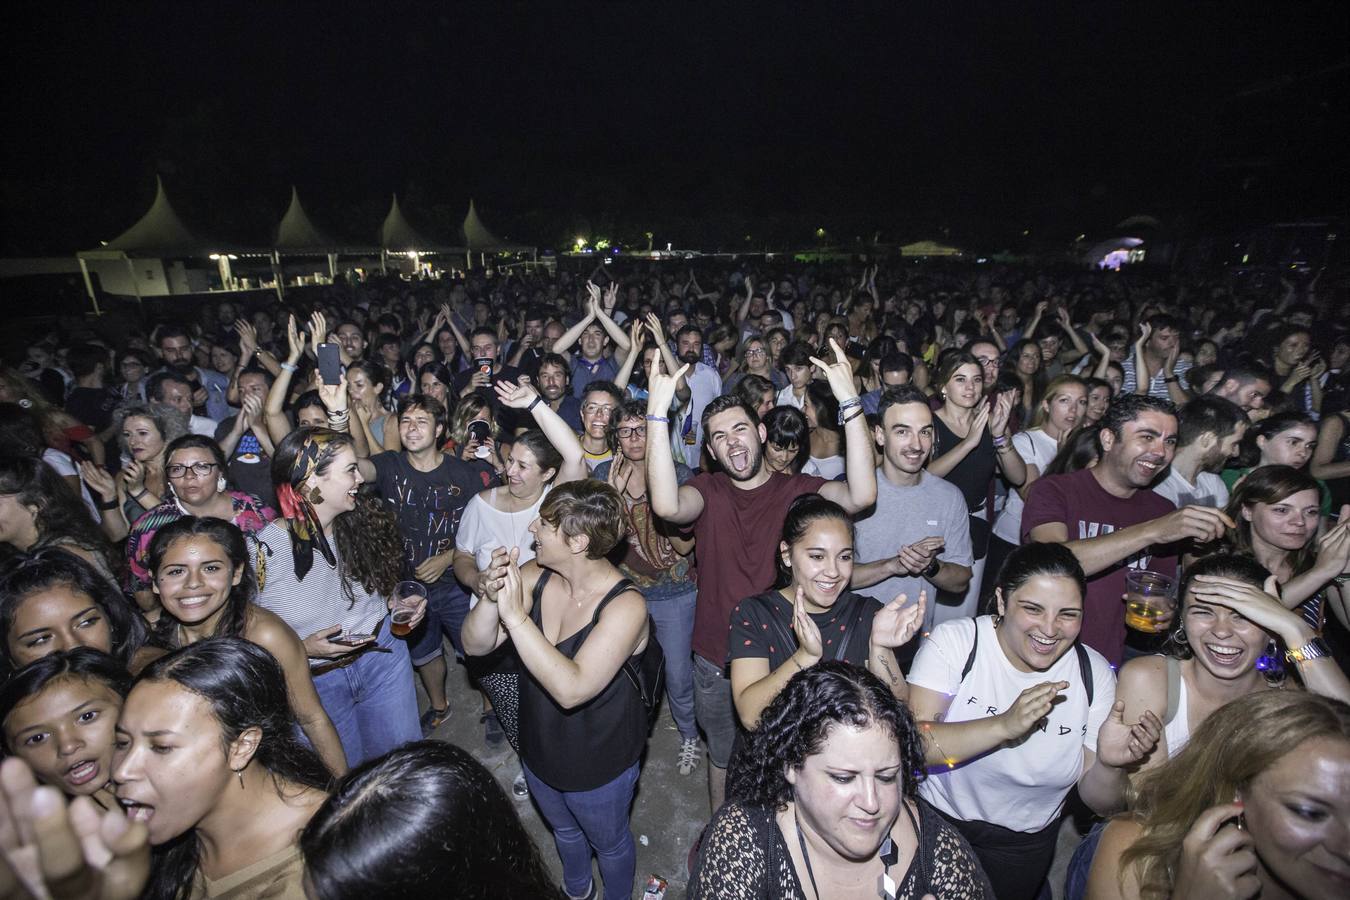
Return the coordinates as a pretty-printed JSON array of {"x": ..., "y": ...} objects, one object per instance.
[{"x": 318, "y": 603}]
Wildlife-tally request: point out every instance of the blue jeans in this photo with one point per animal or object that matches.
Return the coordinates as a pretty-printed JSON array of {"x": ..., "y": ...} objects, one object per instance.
[
  {"x": 595, "y": 820},
  {"x": 447, "y": 607},
  {"x": 372, "y": 702},
  {"x": 715, "y": 711},
  {"x": 674, "y": 621}
]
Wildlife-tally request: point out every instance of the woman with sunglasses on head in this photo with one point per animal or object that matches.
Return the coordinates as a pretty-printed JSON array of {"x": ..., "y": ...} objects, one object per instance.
[
  {"x": 206, "y": 588},
  {"x": 195, "y": 468},
  {"x": 54, "y": 600},
  {"x": 823, "y": 803},
  {"x": 210, "y": 760}
]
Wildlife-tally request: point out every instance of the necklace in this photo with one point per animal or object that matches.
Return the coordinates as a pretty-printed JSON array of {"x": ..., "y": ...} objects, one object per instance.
[
  {"x": 888, "y": 853},
  {"x": 517, "y": 534}
]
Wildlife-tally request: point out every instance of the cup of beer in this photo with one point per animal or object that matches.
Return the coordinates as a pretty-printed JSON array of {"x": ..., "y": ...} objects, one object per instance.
[
  {"x": 1148, "y": 600},
  {"x": 407, "y": 596}
]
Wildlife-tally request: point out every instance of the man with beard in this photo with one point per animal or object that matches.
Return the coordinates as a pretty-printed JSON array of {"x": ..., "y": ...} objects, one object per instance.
[
  {"x": 351, "y": 338},
  {"x": 168, "y": 388},
  {"x": 1245, "y": 386},
  {"x": 737, "y": 514},
  {"x": 208, "y": 388},
  {"x": 917, "y": 537},
  {"x": 428, "y": 491},
  {"x": 1111, "y": 520},
  {"x": 527, "y": 352},
  {"x": 552, "y": 384},
  {"x": 704, "y": 385},
  {"x": 1209, "y": 430}
]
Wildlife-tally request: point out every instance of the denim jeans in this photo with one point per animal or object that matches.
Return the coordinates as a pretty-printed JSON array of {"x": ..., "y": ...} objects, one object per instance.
[
  {"x": 715, "y": 710},
  {"x": 447, "y": 607},
  {"x": 586, "y": 821},
  {"x": 674, "y": 621},
  {"x": 372, "y": 702}
]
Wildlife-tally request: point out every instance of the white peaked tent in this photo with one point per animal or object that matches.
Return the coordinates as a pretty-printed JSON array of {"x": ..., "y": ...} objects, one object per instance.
[
  {"x": 478, "y": 239},
  {"x": 398, "y": 236},
  {"x": 158, "y": 235},
  {"x": 296, "y": 233}
]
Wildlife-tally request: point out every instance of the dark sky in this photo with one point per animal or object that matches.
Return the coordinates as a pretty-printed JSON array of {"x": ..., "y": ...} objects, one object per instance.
[{"x": 694, "y": 124}]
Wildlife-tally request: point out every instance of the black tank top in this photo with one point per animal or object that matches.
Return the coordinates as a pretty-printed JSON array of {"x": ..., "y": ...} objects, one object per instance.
[
  {"x": 590, "y": 745},
  {"x": 973, "y": 474}
]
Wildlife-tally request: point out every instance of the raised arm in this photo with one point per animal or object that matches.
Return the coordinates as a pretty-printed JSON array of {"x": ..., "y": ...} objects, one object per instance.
[
  {"x": 1142, "y": 376},
  {"x": 943, "y": 465},
  {"x": 625, "y": 373},
  {"x": 677, "y": 504},
  {"x": 569, "y": 337},
  {"x": 278, "y": 426},
  {"x": 523, "y": 396},
  {"x": 860, "y": 490},
  {"x": 611, "y": 327}
]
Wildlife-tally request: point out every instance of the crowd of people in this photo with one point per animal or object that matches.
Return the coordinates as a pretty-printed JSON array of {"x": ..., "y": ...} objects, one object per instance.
[{"x": 920, "y": 559}]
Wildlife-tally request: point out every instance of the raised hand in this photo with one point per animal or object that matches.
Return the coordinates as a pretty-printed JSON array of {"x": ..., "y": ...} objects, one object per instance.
[
  {"x": 654, "y": 326},
  {"x": 620, "y": 471},
  {"x": 133, "y": 476},
  {"x": 1030, "y": 707},
  {"x": 661, "y": 387},
  {"x": 248, "y": 339},
  {"x": 334, "y": 396},
  {"x": 895, "y": 624},
  {"x": 98, "y": 479},
  {"x": 1261, "y": 605},
  {"x": 517, "y": 396},
  {"x": 318, "y": 330},
  {"x": 1145, "y": 330},
  {"x": 250, "y": 410},
  {"x": 510, "y": 597},
  {"x": 1120, "y": 744},
  {"x": 805, "y": 628},
  {"x": 839, "y": 373},
  {"x": 1218, "y": 858},
  {"x": 294, "y": 342},
  {"x": 65, "y": 851},
  {"x": 1001, "y": 412}
]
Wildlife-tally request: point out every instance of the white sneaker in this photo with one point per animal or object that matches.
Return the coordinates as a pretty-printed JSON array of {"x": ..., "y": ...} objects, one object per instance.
[
  {"x": 689, "y": 755},
  {"x": 519, "y": 789}
]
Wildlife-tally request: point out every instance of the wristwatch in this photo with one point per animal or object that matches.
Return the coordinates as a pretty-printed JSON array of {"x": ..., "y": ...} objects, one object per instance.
[
  {"x": 933, "y": 568},
  {"x": 1314, "y": 649}
]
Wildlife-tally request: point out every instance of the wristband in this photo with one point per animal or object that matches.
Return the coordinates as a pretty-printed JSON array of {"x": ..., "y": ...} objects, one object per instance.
[
  {"x": 537, "y": 400},
  {"x": 844, "y": 420},
  {"x": 137, "y": 495},
  {"x": 107, "y": 504},
  {"x": 289, "y": 367},
  {"x": 651, "y": 418},
  {"x": 1314, "y": 649},
  {"x": 1173, "y": 380},
  {"x": 933, "y": 568}
]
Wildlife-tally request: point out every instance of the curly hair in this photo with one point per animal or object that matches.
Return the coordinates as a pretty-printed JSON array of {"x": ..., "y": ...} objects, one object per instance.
[
  {"x": 797, "y": 724},
  {"x": 171, "y": 423}
]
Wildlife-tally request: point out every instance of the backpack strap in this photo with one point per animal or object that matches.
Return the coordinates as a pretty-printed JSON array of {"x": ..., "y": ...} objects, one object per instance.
[
  {"x": 859, "y": 607},
  {"x": 1085, "y": 669},
  {"x": 974, "y": 646},
  {"x": 620, "y": 586},
  {"x": 1173, "y": 689}
]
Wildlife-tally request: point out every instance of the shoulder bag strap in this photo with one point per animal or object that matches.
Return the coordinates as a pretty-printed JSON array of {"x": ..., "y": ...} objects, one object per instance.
[{"x": 1085, "y": 669}]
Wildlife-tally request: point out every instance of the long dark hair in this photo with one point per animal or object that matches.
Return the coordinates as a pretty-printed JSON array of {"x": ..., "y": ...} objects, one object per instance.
[
  {"x": 797, "y": 724},
  {"x": 423, "y": 817},
  {"x": 40, "y": 571},
  {"x": 61, "y": 513},
  {"x": 80, "y": 662},
  {"x": 801, "y": 513},
  {"x": 244, "y": 686},
  {"x": 229, "y": 538}
]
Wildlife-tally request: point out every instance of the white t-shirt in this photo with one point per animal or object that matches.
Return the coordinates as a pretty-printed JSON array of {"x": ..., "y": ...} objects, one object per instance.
[
  {"x": 1208, "y": 490},
  {"x": 1021, "y": 786},
  {"x": 64, "y": 465},
  {"x": 827, "y": 467},
  {"x": 787, "y": 398},
  {"x": 483, "y": 528},
  {"x": 1036, "y": 448}
]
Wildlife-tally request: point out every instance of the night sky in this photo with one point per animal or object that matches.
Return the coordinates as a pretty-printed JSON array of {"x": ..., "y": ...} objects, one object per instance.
[{"x": 702, "y": 126}]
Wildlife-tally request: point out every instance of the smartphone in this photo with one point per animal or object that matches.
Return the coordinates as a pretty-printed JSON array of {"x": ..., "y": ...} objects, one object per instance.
[
  {"x": 330, "y": 365},
  {"x": 352, "y": 640}
]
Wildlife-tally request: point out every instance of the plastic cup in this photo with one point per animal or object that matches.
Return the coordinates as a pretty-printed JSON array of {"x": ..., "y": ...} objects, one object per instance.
[
  {"x": 1148, "y": 600},
  {"x": 407, "y": 596}
]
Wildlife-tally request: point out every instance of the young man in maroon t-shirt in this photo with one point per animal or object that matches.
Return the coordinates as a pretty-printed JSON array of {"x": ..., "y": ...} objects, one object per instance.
[
  {"x": 1111, "y": 520},
  {"x": 737, "y": 515}
]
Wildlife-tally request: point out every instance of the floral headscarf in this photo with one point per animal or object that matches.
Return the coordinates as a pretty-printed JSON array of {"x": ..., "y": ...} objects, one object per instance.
[{"x": 297, "y": 504}]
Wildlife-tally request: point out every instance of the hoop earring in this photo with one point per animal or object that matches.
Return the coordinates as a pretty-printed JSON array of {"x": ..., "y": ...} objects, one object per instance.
[
  {"x": 240, "y": 773},
  {"x": 1180, "y": 636},
  {"x": 998, "y": 620}
]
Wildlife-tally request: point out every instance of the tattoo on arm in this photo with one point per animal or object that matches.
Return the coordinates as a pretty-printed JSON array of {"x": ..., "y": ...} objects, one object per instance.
[{"x": 885, "y": 664}]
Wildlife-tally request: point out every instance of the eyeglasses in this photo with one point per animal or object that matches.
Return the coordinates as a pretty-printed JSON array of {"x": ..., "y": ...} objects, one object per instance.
[
  {"x": 592, "y": 408},
  {"x": 759, "y": 352},
  {"x": 627, "y": 431},
  {"x": 200, "y": 469}
]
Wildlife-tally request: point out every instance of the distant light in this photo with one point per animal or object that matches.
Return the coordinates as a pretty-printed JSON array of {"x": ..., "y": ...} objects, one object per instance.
[
  {"x": 580, "y": 243},
  {"x": 820, "y": 232},
  {"x": 215, "y": 256},
  {"x": 982, "y": 260},
  {"x": 1025, "y": 232},
  {"x": 1081, "y": 237},
  {"x": 1245, "y": 257}
]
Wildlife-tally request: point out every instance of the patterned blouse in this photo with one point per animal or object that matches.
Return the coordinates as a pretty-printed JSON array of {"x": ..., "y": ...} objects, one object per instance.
[
  {"x": 250, "y": 514},
  {"x": 744, "y": 857}
]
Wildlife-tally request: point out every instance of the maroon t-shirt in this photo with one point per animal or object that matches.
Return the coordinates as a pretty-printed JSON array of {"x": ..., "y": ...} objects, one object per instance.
[
  {"x": 1087, "y": 510},
  {"x": 735, "y": 540}
]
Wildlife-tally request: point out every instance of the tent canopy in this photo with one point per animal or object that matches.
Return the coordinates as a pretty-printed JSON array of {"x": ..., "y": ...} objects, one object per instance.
[
  {"x": 478, "y": 239},
  {"x": 297, "y": 233},
  {"x": 158, "y": 233},
  {"x": 398, "y": 236}
]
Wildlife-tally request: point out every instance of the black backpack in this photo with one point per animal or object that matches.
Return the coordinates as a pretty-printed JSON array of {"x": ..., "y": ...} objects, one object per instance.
[
  {"x": 1084, "y": 664},
  {"x": 648, "y": 672}
]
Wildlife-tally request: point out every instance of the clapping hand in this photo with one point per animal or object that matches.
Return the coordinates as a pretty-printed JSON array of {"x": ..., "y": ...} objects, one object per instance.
[
  {"x": 505, "y": 586},
  {"x": 1000, "y": 414},
  {"x": 1119, "y": 744},
  {"x": 896, "y": 623},
  {"x": 805, "y": 628}
]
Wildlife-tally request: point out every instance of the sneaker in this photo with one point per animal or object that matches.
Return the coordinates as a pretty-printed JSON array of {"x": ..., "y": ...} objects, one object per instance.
[
  {"x": 492, "y": 730},
  {"x": 687, "y": 760},
  {"x": 592, "y": 894},
  {"x": 519, "y": 789},
  {"x": 433, "y": 719}
]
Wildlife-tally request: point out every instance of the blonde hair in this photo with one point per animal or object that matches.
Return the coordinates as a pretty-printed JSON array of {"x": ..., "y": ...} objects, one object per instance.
[
  {"x": 1226, "y": 753},
  {"x": 1053, "y": 390}
]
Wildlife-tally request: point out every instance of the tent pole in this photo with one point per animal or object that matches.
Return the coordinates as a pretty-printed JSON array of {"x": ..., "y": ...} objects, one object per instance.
[
  {"x": 135, "y": 285},
  {"x": 89, "y": 285},
  {"x": 383, "y": 265},
  {"x": 332, "y": 266},
  {"x": 279, "y": 276}
]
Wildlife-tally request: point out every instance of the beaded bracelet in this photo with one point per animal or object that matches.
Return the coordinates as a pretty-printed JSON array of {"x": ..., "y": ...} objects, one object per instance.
[{"x": 651, "y": 418}]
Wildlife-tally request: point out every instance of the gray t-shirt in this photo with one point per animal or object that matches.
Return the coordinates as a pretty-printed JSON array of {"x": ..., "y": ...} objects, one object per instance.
[{"x": 903, "y": 515}]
